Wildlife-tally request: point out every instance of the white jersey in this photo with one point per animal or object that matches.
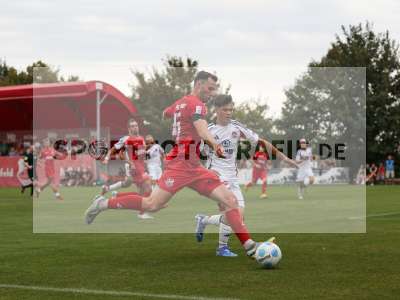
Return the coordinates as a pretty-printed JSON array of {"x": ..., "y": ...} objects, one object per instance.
[
  {"x": 305, "y": 156},
  {"x": 154, "y": 154},
  {"x": 228, "y": 136}
]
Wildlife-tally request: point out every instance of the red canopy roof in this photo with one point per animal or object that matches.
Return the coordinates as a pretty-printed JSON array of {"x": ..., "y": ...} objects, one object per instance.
[{"x": 63, "y": 105}]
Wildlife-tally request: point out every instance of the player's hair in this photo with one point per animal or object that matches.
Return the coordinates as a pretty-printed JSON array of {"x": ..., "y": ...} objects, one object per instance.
[
  {"x": 222, "y": 100},
  {"x": 203, "y": 75},
  {"x": 131, "y": 120}
]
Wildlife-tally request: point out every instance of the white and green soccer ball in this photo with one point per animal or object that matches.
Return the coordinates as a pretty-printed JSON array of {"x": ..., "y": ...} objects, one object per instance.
[{"x": 268, "y": 255}]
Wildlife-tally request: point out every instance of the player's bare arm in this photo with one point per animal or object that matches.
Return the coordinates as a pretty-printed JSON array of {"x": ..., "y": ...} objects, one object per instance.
[
  {"x": 204, "y": 133},
  {"x": 281, "y": 156}
]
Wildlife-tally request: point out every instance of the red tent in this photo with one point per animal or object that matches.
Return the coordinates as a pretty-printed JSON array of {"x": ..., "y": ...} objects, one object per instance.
[{"x": 92, "y": 104}]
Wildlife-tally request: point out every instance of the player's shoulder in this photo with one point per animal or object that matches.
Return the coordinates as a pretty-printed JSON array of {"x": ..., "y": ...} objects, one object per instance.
[
  {"x": 211, "y": 125},
  {"x": 238, "y": 124}
]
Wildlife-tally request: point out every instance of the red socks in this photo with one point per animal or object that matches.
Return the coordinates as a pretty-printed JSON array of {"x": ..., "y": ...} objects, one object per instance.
[
  {"x": 264, "y": 187},
  {"x": 130, "y": 201},
  {"x": 235, "y": 220}
]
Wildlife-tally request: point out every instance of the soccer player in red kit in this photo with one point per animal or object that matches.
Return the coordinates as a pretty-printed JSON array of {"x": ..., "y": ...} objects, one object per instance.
[
  {"x": 260, "y": 170},
  {"x": 183, "y": 167},
  {"x": 47, "y": 155},
  {"x": 133, "y": 151}
]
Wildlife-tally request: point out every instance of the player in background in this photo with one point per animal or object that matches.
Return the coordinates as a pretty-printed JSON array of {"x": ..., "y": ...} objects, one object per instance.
[
  {"x": 25, "y": 167},
  {"x": 229, "y": 132},
  {"x": 155, "y": 156},
  {"x": 132, "y": 149},
  {"x": 183, "y": 167},
  {"x": 46, "y": 164},
  {"x": 260, "y": 170},
  {"x": 305, "y": 175}
]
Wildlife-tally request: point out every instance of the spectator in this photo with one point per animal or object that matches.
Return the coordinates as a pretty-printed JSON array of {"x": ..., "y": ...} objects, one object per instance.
[
  {"x": 12, "y": 152},
  {"x": 373, "y": 172},
  {"x": 389, "y": 167},
  {"x": 381, "y": 173}
]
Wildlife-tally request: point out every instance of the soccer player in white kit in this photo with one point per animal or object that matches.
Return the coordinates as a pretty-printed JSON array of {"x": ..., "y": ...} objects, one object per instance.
[
  {"x": 228, "y": 132},
  {"x": 305, "y": 175},
  {"x": 154, "y": 158}
]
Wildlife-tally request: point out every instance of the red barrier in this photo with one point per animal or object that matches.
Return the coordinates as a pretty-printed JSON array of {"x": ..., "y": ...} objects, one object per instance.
[
  {"x": 9, "y": 168},
  {"x": 8, "y": 171}
]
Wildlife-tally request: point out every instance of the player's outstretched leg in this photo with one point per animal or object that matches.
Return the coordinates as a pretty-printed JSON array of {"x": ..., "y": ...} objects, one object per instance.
[{"x": 156, "y": 201}]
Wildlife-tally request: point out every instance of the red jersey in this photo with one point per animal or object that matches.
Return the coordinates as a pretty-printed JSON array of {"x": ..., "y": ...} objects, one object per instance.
[
  {"x": 260, "y": 160},
  {"x": 136, "y": 148},
  {"x": 184, "y": 112},
  {"x": 47, "y": 153}
]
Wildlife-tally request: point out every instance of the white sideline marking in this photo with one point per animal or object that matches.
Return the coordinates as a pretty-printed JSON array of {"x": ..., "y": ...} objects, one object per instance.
[
  {"x": 109, "y": 293},
  {"x": 376, "y": 215}
]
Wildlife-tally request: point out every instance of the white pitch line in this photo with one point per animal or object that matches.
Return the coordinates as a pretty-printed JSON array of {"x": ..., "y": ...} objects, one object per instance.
[
  {"x": 376, "y": 215},
  {"x": 108, "y": 293}
]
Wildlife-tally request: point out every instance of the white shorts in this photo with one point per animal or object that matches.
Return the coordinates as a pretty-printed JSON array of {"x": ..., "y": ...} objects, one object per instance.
[
  {"x": 155, "y": 172},
  {"x": 390, "y": 174},
  {"x": 235, "y": 188},
  {"x": 303, "y": 173}
]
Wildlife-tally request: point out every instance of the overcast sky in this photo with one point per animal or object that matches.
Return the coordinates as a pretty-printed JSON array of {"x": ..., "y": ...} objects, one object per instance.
[{"x": 259, "y": 47}]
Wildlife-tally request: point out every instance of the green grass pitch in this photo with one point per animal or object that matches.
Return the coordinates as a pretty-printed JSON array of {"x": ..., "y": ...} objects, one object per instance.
[{"x": 314, "y": 266}]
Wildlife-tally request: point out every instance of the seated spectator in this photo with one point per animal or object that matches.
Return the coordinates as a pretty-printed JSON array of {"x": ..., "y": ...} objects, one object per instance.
[{"x": 12, "y": 152}]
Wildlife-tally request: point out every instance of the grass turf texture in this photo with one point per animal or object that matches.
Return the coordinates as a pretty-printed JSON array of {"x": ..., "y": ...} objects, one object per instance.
[{"x": 314, "y": 266}]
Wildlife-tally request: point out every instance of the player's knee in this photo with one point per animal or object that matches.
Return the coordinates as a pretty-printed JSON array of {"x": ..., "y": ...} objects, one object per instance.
[
  {"x": 150, "y": 205},
  {"x": 312, "y": 179},
  {"x": 231, "y": 202},
  {"x": 127, "y": 183}
]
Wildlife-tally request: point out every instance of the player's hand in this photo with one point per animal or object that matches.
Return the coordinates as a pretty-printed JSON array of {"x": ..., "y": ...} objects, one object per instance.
[
  {"x": 105, "y": 160},
  {"x": 219, "y": 150},
  {"x": 292, "y": 163}
]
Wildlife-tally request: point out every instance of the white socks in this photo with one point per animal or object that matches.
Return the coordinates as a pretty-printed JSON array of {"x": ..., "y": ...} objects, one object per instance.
[
  {"x": 212, "y": 220},
  {"x": 115, "y": 186},
  {"x": 224, "y": 229},
  {"x": 224, "y": 234}
]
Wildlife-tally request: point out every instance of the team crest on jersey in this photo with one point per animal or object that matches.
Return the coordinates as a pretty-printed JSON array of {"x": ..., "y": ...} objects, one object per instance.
[
  {"x": 199, "y": 109},
  {"x": 226, "y": 143},
  {"x": 234, "y": 134},
  {"x": 169, "y": 182},
  {"x": 183, "y": 105},
  {"x": 216, "y": 137}
]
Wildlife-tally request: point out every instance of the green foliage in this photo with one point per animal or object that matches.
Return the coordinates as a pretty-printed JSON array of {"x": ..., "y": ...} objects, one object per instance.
[
  {"x": 324, "y": 103},
  {"x": 377, "y": 52},
  {"x": 153, "y": 93},
  {"x": 38, "y": 72},
  {"x": 253, "y": 115}
]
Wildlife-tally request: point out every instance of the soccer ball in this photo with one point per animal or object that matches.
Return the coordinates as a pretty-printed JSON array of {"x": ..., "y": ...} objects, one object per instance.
[{"x": 268, "y": 255}]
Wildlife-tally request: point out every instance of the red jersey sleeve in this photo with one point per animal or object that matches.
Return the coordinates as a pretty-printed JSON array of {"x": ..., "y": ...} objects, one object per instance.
[
  {"x": 197, "y": 110},
  {"x": 169, "y": 111}
]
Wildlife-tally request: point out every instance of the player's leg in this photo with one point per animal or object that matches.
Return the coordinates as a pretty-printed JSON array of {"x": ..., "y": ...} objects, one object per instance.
[
  {"x": 156, "y": 201},
  {"x": 263, "y": 178},
  {"x": 234, "y": 217},
  {"x": 40, "y": 187},
  {"x": 145, "y": 189}
]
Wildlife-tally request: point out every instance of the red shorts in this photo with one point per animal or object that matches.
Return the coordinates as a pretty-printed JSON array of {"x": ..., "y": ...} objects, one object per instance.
[
  {"x": 139, "y": 178},
  {"x": 179, "y": 174},
  {"x": 49, "y": 169},
  {"x": 259, "y": 174}
]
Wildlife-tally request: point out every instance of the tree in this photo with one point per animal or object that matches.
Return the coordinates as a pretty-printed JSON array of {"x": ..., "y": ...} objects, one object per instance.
[
  {"x": 253, "y": 115},
  {"x": 362, "y": 47},
  {"x": 37, "y": 72},
  {"x": 326, "y": 104},
  {"x": 153, "y": 93}
]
